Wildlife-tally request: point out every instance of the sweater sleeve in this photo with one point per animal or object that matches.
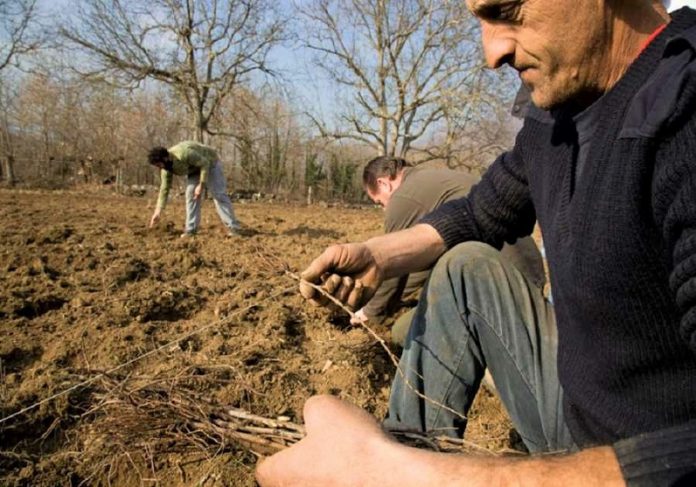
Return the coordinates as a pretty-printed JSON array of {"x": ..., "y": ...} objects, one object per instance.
[
  {"x": 202, "y": 160},
  {"x": 674, "y": 193},
  {"x": 498, "y": 209},
  {"x": 165, "y": 186},
  {"x": 208, "y": 157},
  {"x": 668, "y": 456},
  {"x": 662, "y": 458}
]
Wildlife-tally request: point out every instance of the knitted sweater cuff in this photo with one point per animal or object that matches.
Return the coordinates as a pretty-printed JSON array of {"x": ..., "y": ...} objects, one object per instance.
[
  {"x": 453, "y": 222},
  {"x": 661, "y": 458}
]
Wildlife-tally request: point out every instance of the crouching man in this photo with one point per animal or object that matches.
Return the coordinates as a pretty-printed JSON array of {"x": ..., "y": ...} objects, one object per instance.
[{"x": 408, "y": 193}]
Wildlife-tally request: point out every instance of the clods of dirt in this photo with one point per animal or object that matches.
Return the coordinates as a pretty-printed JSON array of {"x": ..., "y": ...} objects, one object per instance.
[{"x": 85, "y": 288}]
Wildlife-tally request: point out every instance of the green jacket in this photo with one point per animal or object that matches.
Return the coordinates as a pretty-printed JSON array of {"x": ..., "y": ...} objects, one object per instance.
[{"x": 189, "y": 158}]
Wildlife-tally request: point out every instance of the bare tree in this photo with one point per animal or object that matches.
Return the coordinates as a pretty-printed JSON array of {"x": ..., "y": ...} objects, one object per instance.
[
  {"x": 201, "y": 49},
  {"x": 6, "y": 137},
  {"x": 16, "y": 17},
  {"x": 399, "y": 61},
  {"x": 476, "y": 125}
]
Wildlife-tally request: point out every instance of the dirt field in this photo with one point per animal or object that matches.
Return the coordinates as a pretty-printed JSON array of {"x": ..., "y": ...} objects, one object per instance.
[{"x": 84, "y": 287}]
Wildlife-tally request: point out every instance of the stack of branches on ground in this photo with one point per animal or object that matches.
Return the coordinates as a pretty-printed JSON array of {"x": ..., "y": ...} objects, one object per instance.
[{"x": 144, "y": 416}]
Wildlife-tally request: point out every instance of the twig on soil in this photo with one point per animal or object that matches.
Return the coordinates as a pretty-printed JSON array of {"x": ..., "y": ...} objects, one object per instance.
[
  {"x": 161, "y": 348},
  {"x": 383, "y": 344},
  {"x": 275, "y": 262}
]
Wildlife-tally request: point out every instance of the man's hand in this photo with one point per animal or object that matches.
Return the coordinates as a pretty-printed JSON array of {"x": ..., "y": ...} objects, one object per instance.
[
  {"x": 155, "y": 218},
  {"x": 198, "y": 191},
  {"x": 348, "y": 272},
  {"x": 359, "y": 317},
  {"x": 352, "y": 273},
  {"x": 344, "y": 446}
]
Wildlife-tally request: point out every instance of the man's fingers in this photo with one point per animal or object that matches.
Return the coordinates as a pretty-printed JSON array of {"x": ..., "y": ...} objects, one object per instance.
[
  {"x": 344, "y": 289},
  {"x": 354, "y": 299},
  {"x": 337, "y": 269},
  {"x": 312, "y": 293},
  {"x": 319, "y": 266},
  {"x": 325, "y": 413},
  {"x": 288, "y": 467},
  {"x": 307, "y": 292},
  {"x": 332, "y": 284},
  {"x": 277, "y": 469}
]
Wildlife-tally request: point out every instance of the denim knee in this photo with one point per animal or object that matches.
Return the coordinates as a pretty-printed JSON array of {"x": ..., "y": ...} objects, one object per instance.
[
  {"x": 470, "y": 274},
  {"x": 470, "y": 259}
]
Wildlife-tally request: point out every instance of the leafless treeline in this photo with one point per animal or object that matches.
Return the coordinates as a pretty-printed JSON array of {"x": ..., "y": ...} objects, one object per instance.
[{"x": 111, "y": 78}]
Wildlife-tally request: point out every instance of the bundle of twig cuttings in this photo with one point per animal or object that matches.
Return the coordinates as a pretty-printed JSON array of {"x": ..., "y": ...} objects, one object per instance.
[{"x": 176, "y": 416}]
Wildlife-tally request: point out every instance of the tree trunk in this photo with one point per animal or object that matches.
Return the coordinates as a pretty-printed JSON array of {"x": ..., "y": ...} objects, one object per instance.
[
  {"x": 200, "y": 127},
  {"x": 9, "y": 171}
]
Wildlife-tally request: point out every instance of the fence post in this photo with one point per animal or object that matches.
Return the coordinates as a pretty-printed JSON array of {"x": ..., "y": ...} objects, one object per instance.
[{"x": 119, "y": 180}]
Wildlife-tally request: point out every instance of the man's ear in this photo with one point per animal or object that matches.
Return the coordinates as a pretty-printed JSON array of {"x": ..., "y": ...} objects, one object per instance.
[{"x": 383, "y": 183}]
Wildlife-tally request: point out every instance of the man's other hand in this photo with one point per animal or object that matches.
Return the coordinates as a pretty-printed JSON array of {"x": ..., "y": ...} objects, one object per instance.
[
  {"x": 344, "y": 446},
  {"x": 155, "y": 218},
  {"x": 198, "y": 191}
]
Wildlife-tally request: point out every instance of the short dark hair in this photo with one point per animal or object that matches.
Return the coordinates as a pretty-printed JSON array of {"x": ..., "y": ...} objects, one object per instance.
[
  {"x": 382, "y": 166},
  {"x": 158, "y": 155}
]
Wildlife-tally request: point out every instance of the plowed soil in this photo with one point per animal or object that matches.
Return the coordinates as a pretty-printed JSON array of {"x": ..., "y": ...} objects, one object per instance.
[{"x": 85, "y": 287}]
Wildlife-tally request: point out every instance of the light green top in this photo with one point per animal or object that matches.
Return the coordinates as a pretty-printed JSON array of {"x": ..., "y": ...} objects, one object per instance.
[{"x": 188, "y": 157}]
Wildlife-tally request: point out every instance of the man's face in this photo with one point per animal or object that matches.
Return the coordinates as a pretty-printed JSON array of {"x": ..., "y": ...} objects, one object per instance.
[
  {"x": 382, "y": 196},
  {"x": 558, "y": 47}
]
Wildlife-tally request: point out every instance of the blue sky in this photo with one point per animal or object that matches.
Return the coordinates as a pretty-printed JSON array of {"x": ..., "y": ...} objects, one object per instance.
[
  {"x": 310, "y": 89},
  {"x": 675, "y": 4}
]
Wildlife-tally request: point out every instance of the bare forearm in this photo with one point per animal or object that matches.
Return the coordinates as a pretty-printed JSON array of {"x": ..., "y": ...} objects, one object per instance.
[
  {"x": 357, "y": 439},
  {"x": 407, "y": 251},
  {"x": 592, "y": 467}
]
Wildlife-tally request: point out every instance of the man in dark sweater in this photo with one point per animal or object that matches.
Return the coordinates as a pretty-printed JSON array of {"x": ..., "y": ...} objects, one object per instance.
[
  {"x": 407, "y": 194},
  {"x": 605, "y": 163}
]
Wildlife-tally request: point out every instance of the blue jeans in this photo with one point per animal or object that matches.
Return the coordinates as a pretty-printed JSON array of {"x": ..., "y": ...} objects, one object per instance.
[
  {"x": 218, "y": 190},
  {"x": 479, "y": 311}
]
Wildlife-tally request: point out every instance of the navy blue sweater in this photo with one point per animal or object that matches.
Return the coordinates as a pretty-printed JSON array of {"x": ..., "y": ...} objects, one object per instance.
[{"x": 621, "y": 246}]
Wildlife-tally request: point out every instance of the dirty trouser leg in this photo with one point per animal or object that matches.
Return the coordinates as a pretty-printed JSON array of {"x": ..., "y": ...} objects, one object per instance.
[
  {"x": 400, "y": 328},
  {"x": 479, "y": 311},
  {"x": 218, "y": 190},
  {"x": 193, "y": 206}
]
